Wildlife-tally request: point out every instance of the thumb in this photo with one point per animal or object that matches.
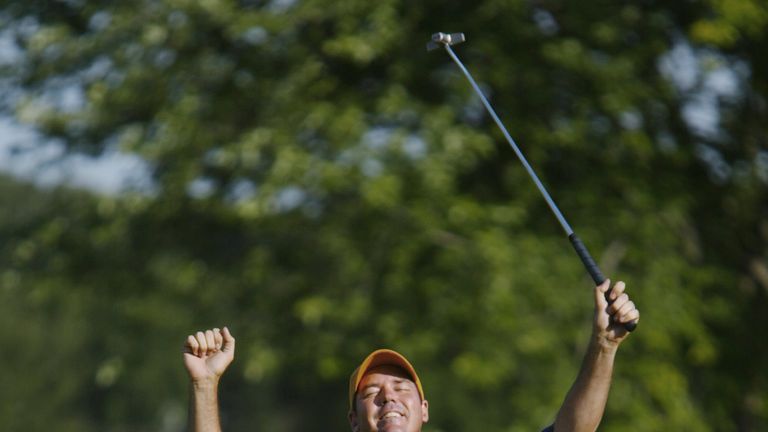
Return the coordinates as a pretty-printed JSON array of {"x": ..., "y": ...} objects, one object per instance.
[
  {"x": 229, "y": 340},
  {"x": 600, "y": 302}
]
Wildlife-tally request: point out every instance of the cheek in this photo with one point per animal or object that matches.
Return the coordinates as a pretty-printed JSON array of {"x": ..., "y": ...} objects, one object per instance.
[
  {"x": 366, "y": 412},
  {"x": 414, "y": 405}
]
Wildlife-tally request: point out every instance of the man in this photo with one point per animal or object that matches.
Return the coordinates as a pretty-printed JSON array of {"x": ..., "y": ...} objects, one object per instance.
[{"x": 385, "y": 393}]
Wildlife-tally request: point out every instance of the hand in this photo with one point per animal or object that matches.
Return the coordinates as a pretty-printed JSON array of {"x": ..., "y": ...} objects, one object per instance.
[
  {"x": 208, "y": 354},
  {"x": 610, "y": 318}
]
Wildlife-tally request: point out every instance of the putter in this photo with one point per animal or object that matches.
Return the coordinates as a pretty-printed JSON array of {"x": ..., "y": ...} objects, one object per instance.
[{"x": 446, "y": 40}]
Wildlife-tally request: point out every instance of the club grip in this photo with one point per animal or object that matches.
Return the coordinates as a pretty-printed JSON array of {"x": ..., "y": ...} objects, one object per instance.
[
  {"x": 586, "y": 259},
  {"x": 593, "y": 270}
]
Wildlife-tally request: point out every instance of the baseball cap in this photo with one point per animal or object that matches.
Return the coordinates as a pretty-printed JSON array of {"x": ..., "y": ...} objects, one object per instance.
[{"x": 378, "y": 358}]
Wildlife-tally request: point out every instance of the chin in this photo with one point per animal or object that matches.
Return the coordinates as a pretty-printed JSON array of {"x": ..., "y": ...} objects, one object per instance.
[{"x": 394, "y": 427}]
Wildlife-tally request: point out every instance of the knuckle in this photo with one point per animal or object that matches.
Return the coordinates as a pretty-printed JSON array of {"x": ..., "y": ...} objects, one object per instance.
[
  {"x": 618, "y": 303},
  {"x": 630, "y": 316}
]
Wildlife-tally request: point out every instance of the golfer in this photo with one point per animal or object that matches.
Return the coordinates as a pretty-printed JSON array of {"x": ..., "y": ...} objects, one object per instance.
[{"x": 385, "y": 393}]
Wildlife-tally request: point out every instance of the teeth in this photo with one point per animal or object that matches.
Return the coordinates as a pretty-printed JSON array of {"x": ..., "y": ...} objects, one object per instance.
[{"x": 391, "y": 415}]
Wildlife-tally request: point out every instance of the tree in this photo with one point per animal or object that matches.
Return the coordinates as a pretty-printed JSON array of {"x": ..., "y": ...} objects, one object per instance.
[{"x": 325, "y": 186}]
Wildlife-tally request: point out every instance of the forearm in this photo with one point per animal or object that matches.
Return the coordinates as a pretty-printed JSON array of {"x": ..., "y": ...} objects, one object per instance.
[
  {"x": 584, "y": 404},
  {"x": 204, "y": 407}
]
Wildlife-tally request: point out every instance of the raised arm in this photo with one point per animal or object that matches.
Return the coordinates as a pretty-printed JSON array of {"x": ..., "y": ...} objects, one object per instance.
[
  {"x": 584, "y": 405},
  {"x": 207, "y": 354}
]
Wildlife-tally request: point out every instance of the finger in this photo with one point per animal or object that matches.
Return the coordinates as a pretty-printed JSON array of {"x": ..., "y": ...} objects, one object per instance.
[
  {"x": 616, "y": 291},
  {"x": 191, "y": 346},
  {"x": 618, "y": 304},
  {"x": 217, "y": 338},
  {"x": 200, "y": 336},
  {"x": 210, "y": 341},
  {"x": 229, "y": 340},
  {"x": 632, "y": 315},
  {"x": 625, "y": 308},
  {"x": 600, "y": 302}
]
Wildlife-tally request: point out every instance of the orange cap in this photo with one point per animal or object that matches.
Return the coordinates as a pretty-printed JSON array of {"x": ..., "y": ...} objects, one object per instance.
[{"x": 378, "y": 358}]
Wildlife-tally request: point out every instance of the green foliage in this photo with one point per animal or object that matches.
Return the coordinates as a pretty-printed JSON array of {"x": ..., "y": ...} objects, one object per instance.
[{"x": 325, "y": 187}]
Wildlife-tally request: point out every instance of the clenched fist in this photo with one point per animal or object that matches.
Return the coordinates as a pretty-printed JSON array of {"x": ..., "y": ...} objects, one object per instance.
[{"x": 207, "y": 354}]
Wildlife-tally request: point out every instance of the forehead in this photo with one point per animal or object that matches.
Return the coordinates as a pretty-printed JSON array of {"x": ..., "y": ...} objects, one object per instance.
[{"x": 383, "y": 373}]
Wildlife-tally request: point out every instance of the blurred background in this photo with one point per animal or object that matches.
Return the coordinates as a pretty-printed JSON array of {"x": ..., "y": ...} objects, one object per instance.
[{"x": 306, "y": 173}]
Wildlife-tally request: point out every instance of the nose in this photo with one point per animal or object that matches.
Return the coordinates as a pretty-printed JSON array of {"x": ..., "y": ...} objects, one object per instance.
[{"x": 386, "y": 394}]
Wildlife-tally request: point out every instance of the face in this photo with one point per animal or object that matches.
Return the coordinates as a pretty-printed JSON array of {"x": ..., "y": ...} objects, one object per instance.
[{"x": 388, "y": 401}]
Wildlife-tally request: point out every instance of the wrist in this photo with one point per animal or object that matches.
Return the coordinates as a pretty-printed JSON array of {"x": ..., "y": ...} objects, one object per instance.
[
  {"x": 603, "y": 345},
  {"x": 205, "y": 384}
]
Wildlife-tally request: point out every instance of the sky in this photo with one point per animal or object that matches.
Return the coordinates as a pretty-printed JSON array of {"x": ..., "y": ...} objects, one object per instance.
[
  {"x": 26, "y": 155},
  {"x": 29, "y": 156}
]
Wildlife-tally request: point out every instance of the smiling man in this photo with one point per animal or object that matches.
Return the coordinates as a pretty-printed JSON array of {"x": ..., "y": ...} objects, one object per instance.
[{"x": 386, "y": 395}]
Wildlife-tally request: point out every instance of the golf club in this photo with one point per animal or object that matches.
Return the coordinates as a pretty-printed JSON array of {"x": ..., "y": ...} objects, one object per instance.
[{"x": 446, "y": 40}]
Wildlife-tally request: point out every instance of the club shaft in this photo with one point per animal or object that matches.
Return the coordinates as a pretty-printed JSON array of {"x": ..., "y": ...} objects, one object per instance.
[
  {"x": 578, "y": 245},
  {"x": 523, "y": 160}
]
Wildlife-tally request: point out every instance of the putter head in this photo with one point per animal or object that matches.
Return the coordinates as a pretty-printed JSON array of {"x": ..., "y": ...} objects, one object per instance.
[{"x": 443, "y": 39}]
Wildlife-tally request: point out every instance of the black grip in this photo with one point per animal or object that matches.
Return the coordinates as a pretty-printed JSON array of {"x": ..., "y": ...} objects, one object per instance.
[
  {"x": 586, "y": 259},
  {"x": 594, "y": 270},
  {"x": 630, "y": 326}
]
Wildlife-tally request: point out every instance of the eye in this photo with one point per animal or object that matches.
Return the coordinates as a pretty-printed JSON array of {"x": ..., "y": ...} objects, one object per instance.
[{"x": 369, "y": 392}]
